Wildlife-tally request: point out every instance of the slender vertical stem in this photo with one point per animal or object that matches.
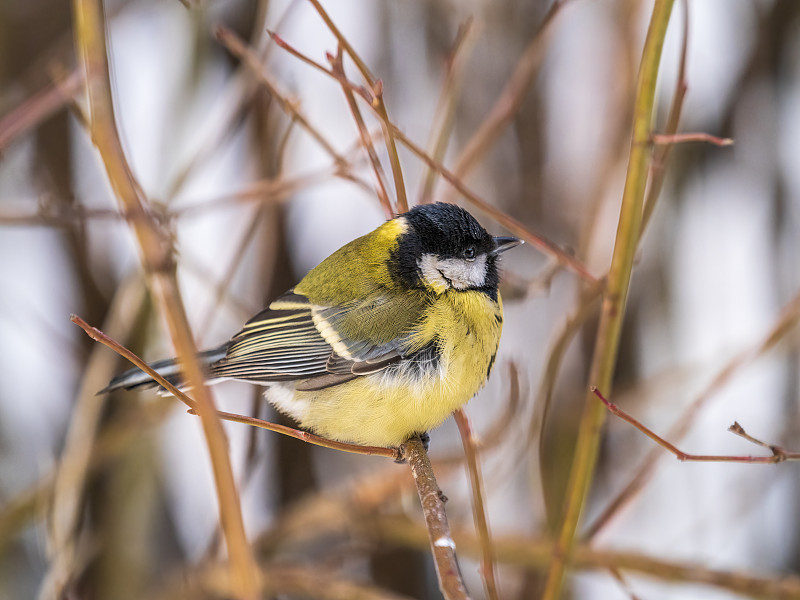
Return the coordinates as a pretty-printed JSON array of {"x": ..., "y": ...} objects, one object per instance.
[
  {"x": 478, "y": 506},
  {"x": 615, "y": 298},
  {"x": 157, "y": 257}
]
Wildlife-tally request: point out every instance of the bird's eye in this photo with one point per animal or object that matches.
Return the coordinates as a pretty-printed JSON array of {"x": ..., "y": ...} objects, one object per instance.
[{"x": 469, "y": 253}]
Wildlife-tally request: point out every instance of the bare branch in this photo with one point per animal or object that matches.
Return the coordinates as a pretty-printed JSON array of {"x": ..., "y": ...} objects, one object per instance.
[
  {"x": 680, "y": 138},
  {"x": 478, "y": 507},
  {"x": 442, "y": 546},
  {"x": 778, "y": 453},
  {"x": 155, "y": 246}
]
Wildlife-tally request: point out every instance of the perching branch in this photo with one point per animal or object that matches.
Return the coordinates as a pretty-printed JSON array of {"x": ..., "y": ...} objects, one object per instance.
[{"x": 442, "y": 546}]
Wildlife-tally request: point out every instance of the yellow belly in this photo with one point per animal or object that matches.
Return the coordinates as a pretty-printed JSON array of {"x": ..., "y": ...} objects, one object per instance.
[{"x": 386, "y": 408}]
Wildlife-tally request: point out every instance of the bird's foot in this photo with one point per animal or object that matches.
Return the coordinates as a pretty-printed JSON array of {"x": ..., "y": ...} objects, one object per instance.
[{"x": 400, "y": 451}]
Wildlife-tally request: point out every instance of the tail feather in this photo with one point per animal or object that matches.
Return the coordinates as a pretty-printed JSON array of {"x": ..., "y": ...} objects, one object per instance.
[{"x": 169, "y": 369}]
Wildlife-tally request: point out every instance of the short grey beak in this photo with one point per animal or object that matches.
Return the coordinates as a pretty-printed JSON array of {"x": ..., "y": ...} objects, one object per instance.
[{"x": 501, "y": 244}]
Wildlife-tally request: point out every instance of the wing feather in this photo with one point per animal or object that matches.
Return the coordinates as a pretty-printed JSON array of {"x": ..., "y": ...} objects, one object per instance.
[{"x": 295, "y": 339}]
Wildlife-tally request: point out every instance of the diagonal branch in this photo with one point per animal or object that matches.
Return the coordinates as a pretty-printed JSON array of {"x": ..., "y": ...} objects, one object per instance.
[
  {"x": 779, "y": 454},
  {"x": 376, "y": 87},
  {"x": 785, "y": 324},
  {"x": 337, "y": 69},
  {"x": 156, "y": 252}
]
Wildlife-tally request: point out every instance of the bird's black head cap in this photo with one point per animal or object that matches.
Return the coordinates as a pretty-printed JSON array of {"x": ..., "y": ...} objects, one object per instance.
[{"x": 447, "y": 231}]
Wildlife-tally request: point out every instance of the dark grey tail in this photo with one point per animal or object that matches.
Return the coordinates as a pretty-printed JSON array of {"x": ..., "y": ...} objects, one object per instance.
[{"x": 134, "y": 379}]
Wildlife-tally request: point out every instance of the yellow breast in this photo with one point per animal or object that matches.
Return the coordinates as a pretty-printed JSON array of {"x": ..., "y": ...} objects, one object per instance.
[{"x": 386, "y": 408}]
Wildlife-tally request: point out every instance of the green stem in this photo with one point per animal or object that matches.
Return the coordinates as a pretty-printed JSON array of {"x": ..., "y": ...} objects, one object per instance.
[{"x": 615, "y": 299}]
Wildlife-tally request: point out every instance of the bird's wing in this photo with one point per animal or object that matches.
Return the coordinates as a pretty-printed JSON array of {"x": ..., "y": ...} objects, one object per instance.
[{"x": 296, "y": 339}]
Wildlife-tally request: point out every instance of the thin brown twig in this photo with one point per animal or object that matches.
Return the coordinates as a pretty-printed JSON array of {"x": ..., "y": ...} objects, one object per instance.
[
  {"x": 391, "y": 147},
  {"x": 497, "y": 431},
  {"x": 240, "y": 50},
  {"x": 99, "y": 336},
  {"x": 737, "y": 429},
  {"x": 661, "y": 139},
  {"x": 337, "y": 68},
  {"x": 284, "y": 45},
  {"x": 341, "y": 39},
  {"x": 283, "y": 145},
  {"x": 432, "y": 499},
  {"x": 779, "y": 454},
  {"x": 623, "y": 583},
  {"x": 478, "y": 506},
  {"x": 790, "y": 315},
  {"x": 555, "y": 356},
  {"x": 37, "y": 108},
  {"x": 378, "y": 104},
  {"x": 661, "y": 153}
]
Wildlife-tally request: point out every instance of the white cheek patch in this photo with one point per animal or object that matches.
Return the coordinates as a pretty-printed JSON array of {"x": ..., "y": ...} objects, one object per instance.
[{"x": 458, "y": 273}]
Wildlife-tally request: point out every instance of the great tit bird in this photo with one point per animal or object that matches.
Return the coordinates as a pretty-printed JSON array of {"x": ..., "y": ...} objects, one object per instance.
[{"x": 382, "y": 340}]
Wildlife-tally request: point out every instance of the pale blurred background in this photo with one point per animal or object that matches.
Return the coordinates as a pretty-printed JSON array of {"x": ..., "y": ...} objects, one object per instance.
[{"x": 717, "y": 269}]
